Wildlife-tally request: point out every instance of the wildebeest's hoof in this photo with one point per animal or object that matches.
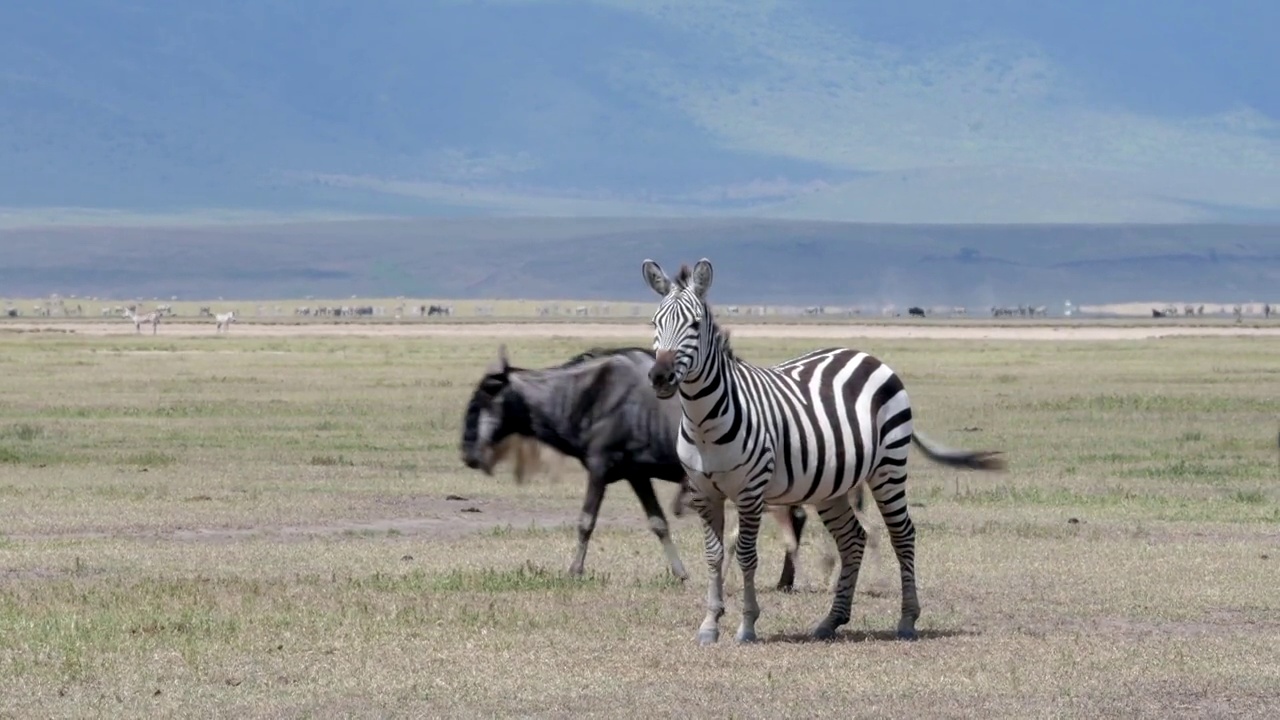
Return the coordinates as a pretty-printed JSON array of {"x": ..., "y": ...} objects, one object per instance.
[
  {"x": 907, "y": 634},
  {"x": 708, "y": 637},
  {"x": 746, "y": 636}
]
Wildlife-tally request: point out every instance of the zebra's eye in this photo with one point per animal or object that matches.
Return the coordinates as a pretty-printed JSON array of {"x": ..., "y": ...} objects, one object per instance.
[{"x": 695, "y": 325}]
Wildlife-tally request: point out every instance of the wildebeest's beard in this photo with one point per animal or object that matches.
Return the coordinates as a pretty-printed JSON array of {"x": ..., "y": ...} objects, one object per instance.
[{"x": 483, "y": 425}]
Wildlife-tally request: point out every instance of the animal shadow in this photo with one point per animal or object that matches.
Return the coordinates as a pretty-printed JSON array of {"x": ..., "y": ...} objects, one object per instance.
[{"x": 860, "y": 636}]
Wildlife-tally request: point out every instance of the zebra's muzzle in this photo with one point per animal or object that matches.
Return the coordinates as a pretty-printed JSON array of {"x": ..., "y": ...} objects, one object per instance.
[{"x": 663, "y": 377}]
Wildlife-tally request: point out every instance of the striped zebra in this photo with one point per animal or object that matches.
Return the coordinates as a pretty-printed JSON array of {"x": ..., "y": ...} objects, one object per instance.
[
  {"x": 224, "y": 321},
  {"x": 152, "y": 318},
  {"x": 805, "y": 431}
]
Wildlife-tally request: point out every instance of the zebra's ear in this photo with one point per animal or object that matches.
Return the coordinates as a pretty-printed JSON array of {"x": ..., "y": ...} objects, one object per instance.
[
  {"x": 700, "y": 278},
  {"x": 656, "y": 278}
]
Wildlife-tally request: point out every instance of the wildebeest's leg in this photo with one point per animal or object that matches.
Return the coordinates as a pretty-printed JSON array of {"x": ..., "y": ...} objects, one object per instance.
[
  {"x": 681, "y": 501},
  {"x": 587, "y": 522},
  {"x": 658, "y": 523},
  {"x": 791, "y": 520}
]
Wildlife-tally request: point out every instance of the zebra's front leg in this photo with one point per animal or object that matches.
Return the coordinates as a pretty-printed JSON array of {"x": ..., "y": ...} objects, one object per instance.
[
  {"x": 749, "y": 515},
  {"x": 850, "y": 538},
  {"x": 711, "y": 510}
]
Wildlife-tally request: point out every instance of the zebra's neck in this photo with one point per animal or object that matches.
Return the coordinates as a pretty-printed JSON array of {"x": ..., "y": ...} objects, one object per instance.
[{"x": 707, "y": 391}]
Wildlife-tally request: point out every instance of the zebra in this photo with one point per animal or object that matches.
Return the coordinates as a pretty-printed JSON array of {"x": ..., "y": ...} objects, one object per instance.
[
  {"x": 806, "y": 431},
  {"x": 152, "y": 317},
  {"x": 224, "y": 321}
]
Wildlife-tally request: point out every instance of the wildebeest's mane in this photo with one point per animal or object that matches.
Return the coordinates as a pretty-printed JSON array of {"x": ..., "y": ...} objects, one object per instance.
[{"x": 485, "y": 390}]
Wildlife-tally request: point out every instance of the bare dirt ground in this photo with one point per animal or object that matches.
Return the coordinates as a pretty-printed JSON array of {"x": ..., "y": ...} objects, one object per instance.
[
  {"x": 634, "y": 330},
  {"x": 436, "y": 517}
]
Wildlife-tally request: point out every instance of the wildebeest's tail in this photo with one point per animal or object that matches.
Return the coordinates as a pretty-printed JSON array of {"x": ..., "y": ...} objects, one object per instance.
[{"x": 973, "y": 459}]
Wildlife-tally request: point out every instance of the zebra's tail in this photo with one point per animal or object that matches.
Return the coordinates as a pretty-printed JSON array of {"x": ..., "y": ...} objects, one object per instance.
[{"x": 972, "y": 459}]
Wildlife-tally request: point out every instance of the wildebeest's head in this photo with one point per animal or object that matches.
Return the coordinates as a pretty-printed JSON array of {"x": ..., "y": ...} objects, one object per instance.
[{"x": 483, "y": 427}]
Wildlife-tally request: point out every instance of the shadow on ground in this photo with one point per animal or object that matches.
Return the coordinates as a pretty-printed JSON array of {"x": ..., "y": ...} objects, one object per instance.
[{"x": 859, "y": 636}]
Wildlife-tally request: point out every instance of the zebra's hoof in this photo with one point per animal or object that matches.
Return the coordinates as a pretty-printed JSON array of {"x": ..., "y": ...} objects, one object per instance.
[
  {"x": 823, "y": 632},
  {"x": 708, "y": 637},
  {"x": 746, "y": 636},
  {"x": 907, "y": 634}
]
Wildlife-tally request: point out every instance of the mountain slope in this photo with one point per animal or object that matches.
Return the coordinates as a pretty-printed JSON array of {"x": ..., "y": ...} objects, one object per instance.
[
  {"x": 992, "y": 111},
  {"x": 776, "y": 262}
]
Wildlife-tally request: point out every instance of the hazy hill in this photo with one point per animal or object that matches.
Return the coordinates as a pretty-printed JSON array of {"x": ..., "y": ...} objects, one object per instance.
[
  {"x": 910, "y": 111},
  {"x": 776, "y": 262}
]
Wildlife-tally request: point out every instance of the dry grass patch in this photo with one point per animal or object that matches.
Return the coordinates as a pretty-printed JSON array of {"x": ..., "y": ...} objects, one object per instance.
[{"x": 279, "y": 527}]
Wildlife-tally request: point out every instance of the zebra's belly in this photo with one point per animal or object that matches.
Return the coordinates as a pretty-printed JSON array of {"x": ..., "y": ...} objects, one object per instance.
[
  {"x": 784, "y": 490},
  {"x": 726, "y": 484}
]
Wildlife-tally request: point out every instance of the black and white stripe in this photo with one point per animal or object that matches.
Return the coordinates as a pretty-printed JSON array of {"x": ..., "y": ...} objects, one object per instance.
[{"x": 805, "y": 431}]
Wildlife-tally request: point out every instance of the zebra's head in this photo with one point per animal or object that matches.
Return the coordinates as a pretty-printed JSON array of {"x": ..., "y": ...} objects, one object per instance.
[
  {"x": 482, "y": 426},
  {"x": 681, "y": 323}
]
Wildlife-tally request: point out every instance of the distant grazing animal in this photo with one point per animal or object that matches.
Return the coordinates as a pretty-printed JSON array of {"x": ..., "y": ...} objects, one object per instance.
[
  {"x": 224, "y": 321},
  {"x": 915, "y": 311},
  {"x": 596, "y": 407},
  {"x": 152, "y": 318},
  {"x": 808, "y": 430}
]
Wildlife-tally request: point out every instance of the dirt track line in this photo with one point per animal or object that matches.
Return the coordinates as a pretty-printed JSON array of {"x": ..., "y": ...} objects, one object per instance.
[
  {"x": 437, "y": 519},
  {"x": 640, "y": 333}
]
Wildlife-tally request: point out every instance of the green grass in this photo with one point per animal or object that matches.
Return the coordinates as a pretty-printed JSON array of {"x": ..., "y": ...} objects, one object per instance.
[{"x": 223, "y": 530}]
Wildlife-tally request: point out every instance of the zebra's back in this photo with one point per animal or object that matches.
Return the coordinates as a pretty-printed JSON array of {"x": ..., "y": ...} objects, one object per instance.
[{"x": 838, "y": 416}]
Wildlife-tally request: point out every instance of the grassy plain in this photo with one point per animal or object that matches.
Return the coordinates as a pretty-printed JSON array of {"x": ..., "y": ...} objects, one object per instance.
[{"x": 260, "y": 526}]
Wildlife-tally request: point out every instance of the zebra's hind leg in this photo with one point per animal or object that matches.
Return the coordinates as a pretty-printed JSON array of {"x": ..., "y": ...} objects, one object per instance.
[
  {"x": 850, "y": 538},
  {"x": 711, "y": 510},
  {"x": 891, "y": 496},
  {"x": 750, "y": 512}
]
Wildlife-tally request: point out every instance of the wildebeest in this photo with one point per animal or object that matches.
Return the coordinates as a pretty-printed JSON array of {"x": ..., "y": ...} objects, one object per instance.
[
  {"x": 597, "y": 408},
  {"x": 915, "y": 311}
]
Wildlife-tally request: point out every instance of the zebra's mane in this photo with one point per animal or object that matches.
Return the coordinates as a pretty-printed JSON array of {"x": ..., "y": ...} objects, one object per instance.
[
  {"x": 682, "y": 277},
  {"x": 720, "y": 334}
]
